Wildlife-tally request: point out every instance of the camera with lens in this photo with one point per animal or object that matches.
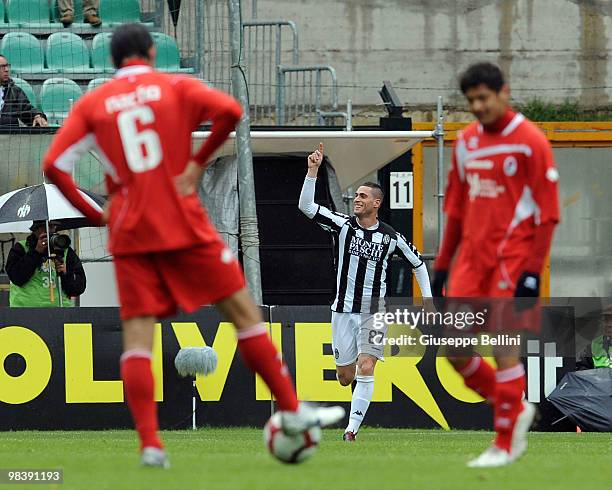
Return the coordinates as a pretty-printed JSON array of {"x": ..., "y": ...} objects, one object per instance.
[{"x": 58, "y": 244}]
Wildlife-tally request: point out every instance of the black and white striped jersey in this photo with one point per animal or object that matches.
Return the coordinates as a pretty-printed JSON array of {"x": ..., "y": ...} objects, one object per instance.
[{"x": 363, "y": 256}]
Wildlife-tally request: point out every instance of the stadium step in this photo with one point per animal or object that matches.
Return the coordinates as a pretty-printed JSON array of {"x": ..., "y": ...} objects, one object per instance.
[{"x": 85, "y": 31}]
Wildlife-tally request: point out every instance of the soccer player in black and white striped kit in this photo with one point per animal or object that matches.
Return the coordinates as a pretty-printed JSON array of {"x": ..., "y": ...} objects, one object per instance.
[{"x": 365, "y": 246}]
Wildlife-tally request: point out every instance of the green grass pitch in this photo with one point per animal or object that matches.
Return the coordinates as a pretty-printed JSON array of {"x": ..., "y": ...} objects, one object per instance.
[{"x": 381, "y": 459}]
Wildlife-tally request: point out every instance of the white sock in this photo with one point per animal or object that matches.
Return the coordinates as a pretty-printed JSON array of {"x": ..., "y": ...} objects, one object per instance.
[{"x": 362, "y": 396}]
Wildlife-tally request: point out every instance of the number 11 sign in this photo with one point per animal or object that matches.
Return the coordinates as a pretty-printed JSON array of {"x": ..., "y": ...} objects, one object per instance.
[{"x": 401, "y": 191}]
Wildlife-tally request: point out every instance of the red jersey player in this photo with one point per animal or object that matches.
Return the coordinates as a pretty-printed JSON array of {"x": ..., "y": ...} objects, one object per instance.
[
  {"x": 502, "y": 206},
  {"x": 166, "y": 253}
]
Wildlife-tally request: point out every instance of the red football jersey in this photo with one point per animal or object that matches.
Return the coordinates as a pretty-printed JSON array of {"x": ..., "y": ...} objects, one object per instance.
[
  {"x": 501, "y": 184},
  {"x": 140, "y": 126}
]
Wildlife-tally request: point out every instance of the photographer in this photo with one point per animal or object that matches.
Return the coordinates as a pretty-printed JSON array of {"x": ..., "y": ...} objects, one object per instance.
[
  {"x": 598, "y": 353},
  {"x": 27, "y": 268}
]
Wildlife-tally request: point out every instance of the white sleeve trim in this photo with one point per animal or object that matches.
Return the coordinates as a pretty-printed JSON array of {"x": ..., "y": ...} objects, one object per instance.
[
  {"x": 330, "y": 220},
  {"x": 65, "y": 162},
  {"x": 422, "y": 277},
  {"x": 408, "y": 251},
  {"x": 108, "y": 167}
]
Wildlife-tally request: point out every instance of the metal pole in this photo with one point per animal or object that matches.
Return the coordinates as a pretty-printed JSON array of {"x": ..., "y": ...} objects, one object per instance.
[
  {"x": 296, "y": 49},
  {"x": 348, "y": 199},
  {"x": 320, "y": 120},
  {"x": 193, "y": 405},
  {"x": 159, "y": 10},
  {"x": 49, "y": 263},
  {"x": 280, "y": 113},
  {"x": 59, "y": 289},
  {"x": 278, "y": 51},
  {"x": 318, "y": 135},
  {"x": 249, "y": 234},
  {"x": 280, "y": 353},
  {"x": 199, "y": 32},
  {"x": 280, "y": 96},
  {"x": 439, "y": 135},
  {"x": 349, "y": 115}
]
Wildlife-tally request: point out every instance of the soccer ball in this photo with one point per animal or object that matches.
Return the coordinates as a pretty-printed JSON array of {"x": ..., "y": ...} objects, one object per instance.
[{"x": 290, "y": 449}]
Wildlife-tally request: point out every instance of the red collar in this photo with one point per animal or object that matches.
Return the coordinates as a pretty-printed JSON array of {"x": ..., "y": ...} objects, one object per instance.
[
  {"x": 501, "y": 123},
  {"x": 134, "y": 63}
]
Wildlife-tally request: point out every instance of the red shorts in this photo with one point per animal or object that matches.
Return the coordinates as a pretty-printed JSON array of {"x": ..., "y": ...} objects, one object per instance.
[
  {"x": 470, "y": 279},
  {"x": 496, "y": 286},
  {"x": 157, "y": 284}
]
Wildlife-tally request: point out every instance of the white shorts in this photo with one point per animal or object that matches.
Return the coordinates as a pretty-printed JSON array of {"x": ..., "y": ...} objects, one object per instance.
[{"x": 354, "y": 334}]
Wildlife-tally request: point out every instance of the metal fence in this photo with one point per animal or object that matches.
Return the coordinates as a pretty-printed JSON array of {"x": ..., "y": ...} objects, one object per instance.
[
  {"x": 305, "y": 93},
  {"x": 280, "y": 91},
  {"x": 264, "y": 52}
]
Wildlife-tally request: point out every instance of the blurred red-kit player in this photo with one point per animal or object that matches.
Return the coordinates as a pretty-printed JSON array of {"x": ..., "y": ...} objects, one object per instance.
[
  {"x": 166, "y": 253},
  {"x": 502, "y": 205}
]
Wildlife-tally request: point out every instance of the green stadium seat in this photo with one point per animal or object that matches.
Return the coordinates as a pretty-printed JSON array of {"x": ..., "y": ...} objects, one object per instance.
[
  {"x": 24, "y": 52},
  {"x": 168, "y": 57},
  {"x": 100, "y": 53},
  {"x": 67, "y": 53},
  {"x": 27, "y": 88},
  {"x": 55, "y": 96},
  {"x": 95, "y": 83},
  {"x": 114, "y": 12},
  {"x": 29, "y": 13}
]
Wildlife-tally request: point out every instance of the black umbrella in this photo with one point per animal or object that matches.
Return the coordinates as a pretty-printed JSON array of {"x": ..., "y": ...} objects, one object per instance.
[
  {"x": 42, "y": 202},
  {"x": 175, "y": 9},
  {"x": 585, "y": 397}
]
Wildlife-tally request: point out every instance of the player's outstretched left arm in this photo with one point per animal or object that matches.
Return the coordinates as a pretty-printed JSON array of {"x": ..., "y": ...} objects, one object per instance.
[
  {"x": 411, "y": 255},
  {"x": 71, "y": 142}
]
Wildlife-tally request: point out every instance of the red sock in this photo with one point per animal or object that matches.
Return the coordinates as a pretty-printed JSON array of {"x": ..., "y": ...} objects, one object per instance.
[
  {"x": 480, "y": 376},
  {"x": 139, "y": 387},
  {"x": 508, "y": 403},
  {"x": 261, "y": 356}
]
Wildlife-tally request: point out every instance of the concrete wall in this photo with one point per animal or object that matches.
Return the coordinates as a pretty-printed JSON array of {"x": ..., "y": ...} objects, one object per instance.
[{"x": 552, "y": 49}]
